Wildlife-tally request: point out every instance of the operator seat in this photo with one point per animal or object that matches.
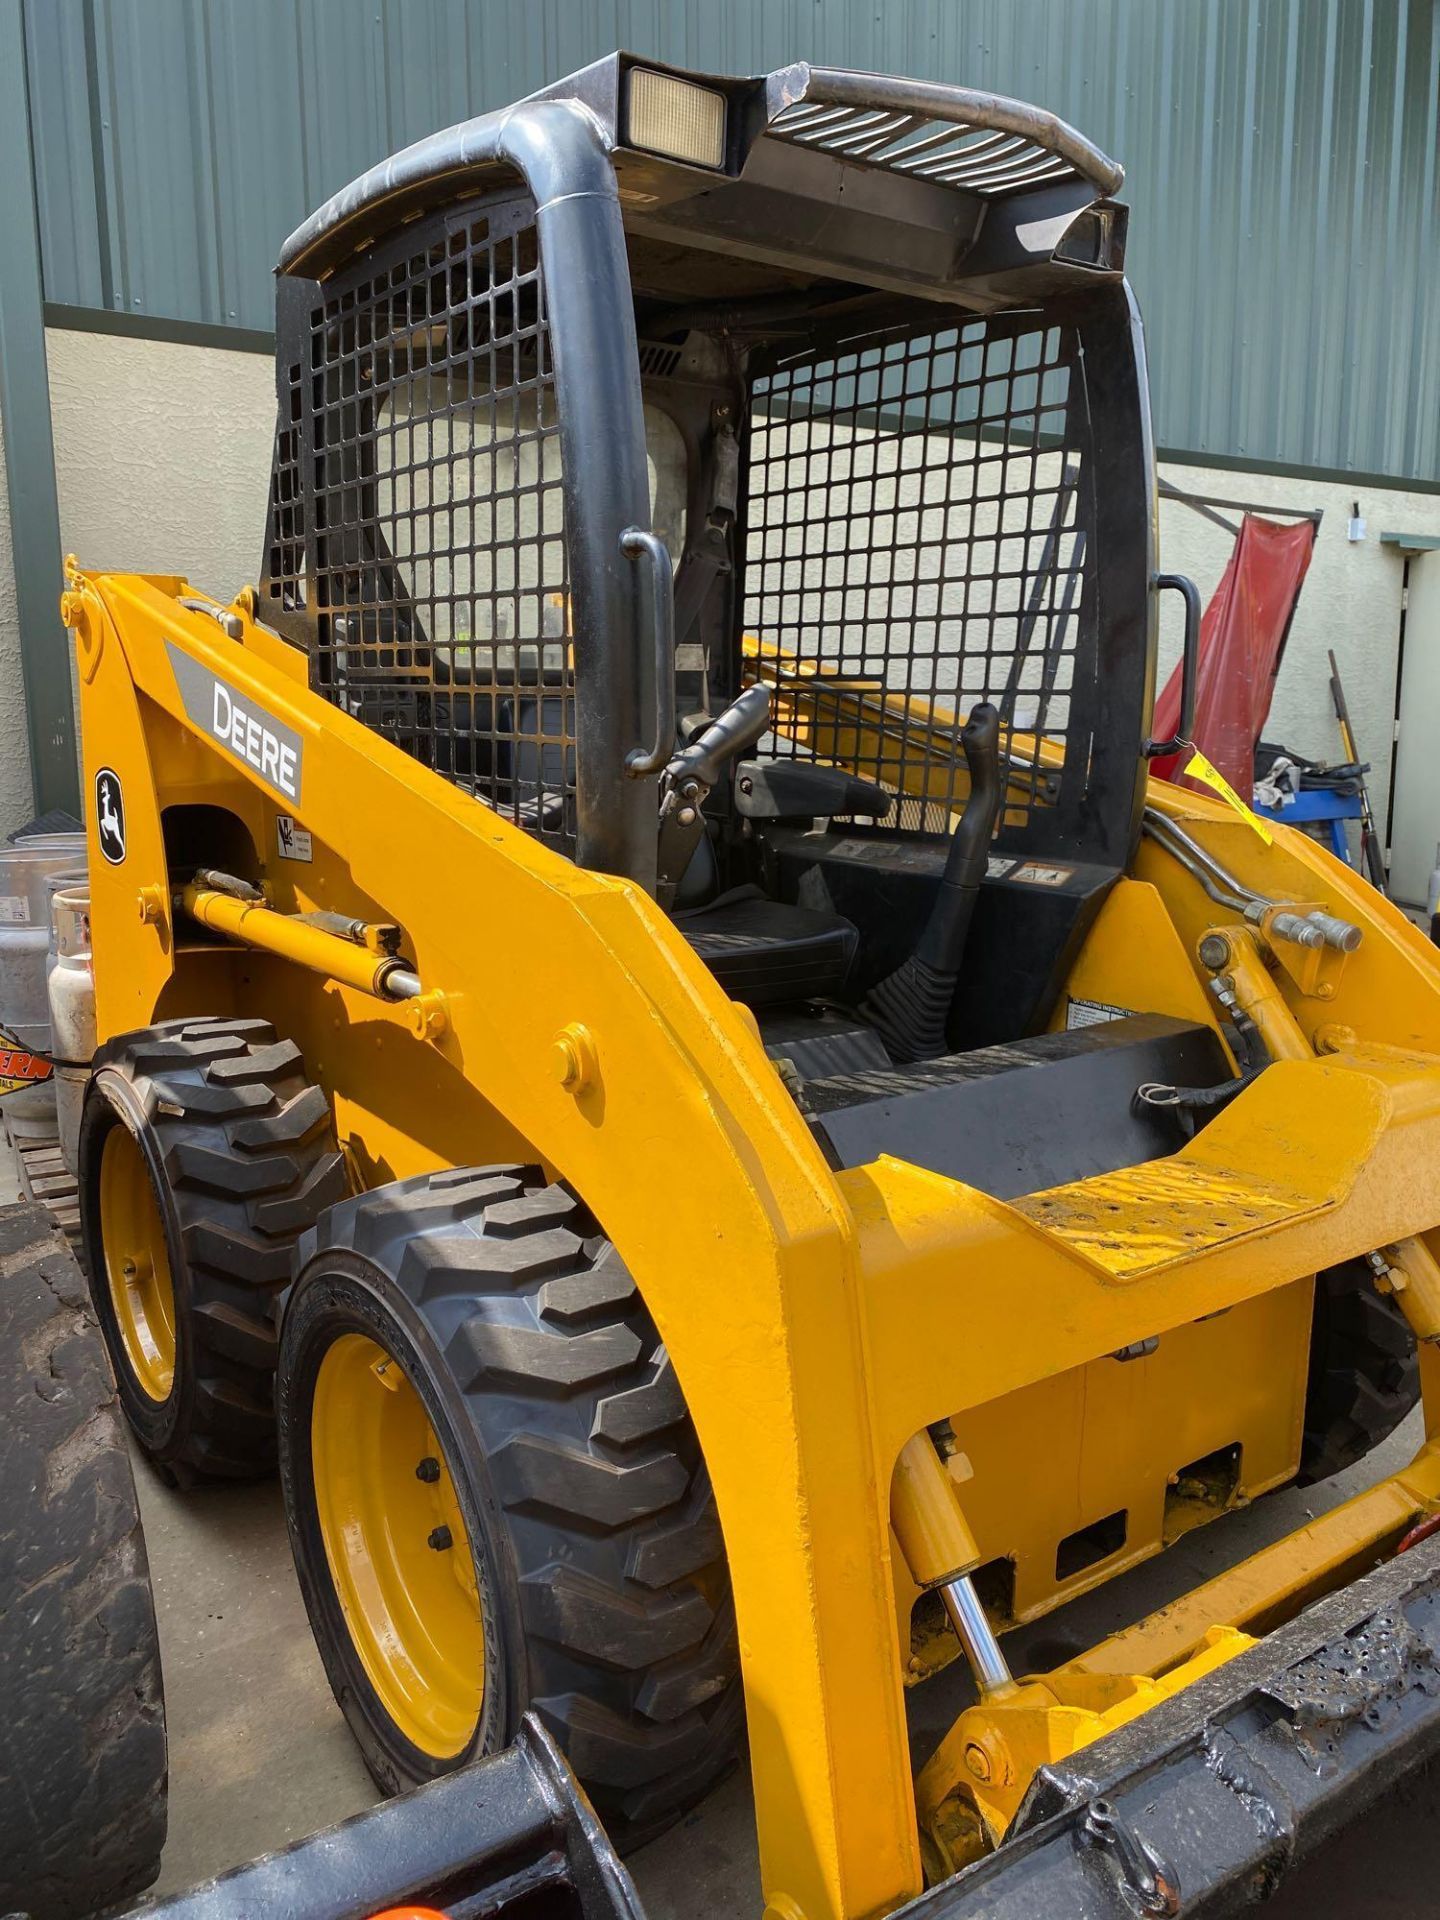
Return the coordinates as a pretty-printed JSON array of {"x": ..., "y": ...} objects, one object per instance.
[
  {"x": 763, "y": 952},
  {"x": 768, "y": 954}
]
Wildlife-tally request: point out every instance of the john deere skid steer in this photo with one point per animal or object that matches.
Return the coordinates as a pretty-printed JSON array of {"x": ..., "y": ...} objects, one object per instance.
[{"x": 661, "y": 1056}]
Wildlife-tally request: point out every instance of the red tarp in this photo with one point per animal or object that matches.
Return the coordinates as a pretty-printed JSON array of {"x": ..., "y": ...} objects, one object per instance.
[{"x": 1241, "y": 635}]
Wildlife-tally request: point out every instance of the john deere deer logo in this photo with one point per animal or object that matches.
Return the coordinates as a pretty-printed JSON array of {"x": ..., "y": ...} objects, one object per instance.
[{"x": 110, "y": 815}]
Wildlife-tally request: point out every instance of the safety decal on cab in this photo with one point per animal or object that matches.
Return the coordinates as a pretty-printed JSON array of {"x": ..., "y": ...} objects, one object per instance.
[
  {"x": 19, "y": 1067},
  {"x": 110, "y": 815}
]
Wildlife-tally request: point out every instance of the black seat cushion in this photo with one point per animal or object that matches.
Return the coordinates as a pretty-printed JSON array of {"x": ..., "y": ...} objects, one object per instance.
[{"x": 769, "y": 955}]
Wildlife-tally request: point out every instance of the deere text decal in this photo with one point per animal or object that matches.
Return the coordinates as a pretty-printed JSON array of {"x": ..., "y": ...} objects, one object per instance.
[{"x": 244, "y": 729}]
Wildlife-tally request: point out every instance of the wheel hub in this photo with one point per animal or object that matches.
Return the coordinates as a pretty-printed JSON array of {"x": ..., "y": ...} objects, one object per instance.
[
  {"x": 137, "y": 1263},
  {"x": 397, "y": 1545}
]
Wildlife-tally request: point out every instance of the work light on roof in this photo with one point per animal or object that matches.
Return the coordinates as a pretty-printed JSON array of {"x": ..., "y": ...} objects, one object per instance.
[{"x": 676, "y": 118}]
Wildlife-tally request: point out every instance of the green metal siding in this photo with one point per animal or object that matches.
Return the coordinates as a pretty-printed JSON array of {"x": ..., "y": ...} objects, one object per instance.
[{"x": 1281, "y": 159}]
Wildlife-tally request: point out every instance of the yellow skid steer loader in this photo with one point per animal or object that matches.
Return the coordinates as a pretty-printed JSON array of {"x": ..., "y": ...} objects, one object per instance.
[{"x": 661, "y": 1055}]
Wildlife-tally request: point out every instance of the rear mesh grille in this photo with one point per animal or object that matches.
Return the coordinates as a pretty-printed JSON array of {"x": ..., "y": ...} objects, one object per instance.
[
  {"x": 918, "y": 511},
  {"x": 439, "y": 592}
]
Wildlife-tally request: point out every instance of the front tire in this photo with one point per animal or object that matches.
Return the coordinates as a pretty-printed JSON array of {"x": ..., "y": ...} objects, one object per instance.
[
  {"x": 204, "y": 1154},
  {"x": 473, "y": 1400}
]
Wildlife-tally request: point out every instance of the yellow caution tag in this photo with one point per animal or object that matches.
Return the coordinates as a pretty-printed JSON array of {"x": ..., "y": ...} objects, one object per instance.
[{"x": 1199, "y": 768}]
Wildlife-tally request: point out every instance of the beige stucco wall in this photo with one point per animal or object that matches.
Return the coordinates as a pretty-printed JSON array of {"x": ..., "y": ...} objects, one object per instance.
[
  {"x": 162, "y": 456},
  {"x": 15, "y": 807},
  {"x": 162, "y": 464}
]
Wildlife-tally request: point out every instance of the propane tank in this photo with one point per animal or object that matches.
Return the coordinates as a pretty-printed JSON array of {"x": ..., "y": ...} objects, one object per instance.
[
  {"x": 71, "y": 986},
  {"x": 27, "y": 1101}
]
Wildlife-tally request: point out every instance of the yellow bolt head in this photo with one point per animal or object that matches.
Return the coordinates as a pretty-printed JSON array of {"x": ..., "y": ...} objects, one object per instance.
[
  {"x": 428, "y": 1015},
  {"x": 987, "y": 1758},
  {"x": 152, "y": 906},
  {"x": 574, "y": 1063}
]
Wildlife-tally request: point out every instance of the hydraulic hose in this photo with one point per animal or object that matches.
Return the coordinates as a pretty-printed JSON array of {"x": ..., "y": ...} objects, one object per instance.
[{"x": 1221, "y": 885}]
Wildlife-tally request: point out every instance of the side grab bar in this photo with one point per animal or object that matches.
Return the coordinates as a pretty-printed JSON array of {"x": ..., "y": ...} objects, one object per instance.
[
  {"x": 1189, "y": 667},
  {"x": 634, "y": 542}
]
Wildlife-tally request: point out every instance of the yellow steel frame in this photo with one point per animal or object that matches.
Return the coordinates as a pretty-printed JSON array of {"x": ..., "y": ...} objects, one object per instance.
[{"x": 817, "y": 1320}]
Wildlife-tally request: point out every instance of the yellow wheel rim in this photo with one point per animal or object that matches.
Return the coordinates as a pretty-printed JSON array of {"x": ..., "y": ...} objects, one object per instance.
[
  {"x": 137, "y": 1264},
  {"x": 397, "y": 1545}
]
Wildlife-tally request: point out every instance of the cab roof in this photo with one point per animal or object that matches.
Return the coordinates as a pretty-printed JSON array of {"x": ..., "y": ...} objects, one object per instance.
[{"x": 818, "y": 176}]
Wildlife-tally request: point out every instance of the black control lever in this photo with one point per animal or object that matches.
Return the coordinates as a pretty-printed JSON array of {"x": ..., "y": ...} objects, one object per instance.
[
  {"x": 710, "y": 752},
  {"x": 910, "y": 1007},
  {"x": 695, "y": 770}
]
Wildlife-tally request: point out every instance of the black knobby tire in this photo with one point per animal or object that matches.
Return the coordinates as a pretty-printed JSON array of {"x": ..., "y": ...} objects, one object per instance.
[
  {"x": 240, "y": 1149},
  {"x": 578, "y": 1472},
  {"x": 1364, "y": 1377},
  {"x": 82, "y": 1731}
]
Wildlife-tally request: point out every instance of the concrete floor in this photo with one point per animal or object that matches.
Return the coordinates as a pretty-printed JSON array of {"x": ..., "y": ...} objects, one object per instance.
[{"x": 260, "y": 1756}]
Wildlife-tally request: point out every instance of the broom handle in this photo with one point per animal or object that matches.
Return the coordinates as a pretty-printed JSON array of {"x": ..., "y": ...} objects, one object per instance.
[{"x": 1369, "y": 838}]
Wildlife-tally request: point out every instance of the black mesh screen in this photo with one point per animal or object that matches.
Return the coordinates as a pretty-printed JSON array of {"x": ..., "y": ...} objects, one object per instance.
[
  {"x": 284, "y": 571},
  {"x": 438, "y": 582},
  {"x": 918, "y": 506}
]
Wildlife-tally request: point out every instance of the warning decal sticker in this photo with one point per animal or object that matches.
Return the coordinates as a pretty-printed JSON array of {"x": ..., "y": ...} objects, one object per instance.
[
  {"x": 294, "y": 842},
  {"x": 1093, "y": 1013}
]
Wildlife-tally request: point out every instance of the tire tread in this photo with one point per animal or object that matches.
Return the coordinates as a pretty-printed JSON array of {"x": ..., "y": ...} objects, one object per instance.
[
  {"x": 250, "y": 1161},
  {"x": 1364, "y": 1376},
  {"x": 82, "y": 1737},
  {"x": 630, "y": 1641}
]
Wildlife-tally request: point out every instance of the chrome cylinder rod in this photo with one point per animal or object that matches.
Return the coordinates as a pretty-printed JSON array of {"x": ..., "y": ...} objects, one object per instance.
[{"x": 982, "y": 1649}]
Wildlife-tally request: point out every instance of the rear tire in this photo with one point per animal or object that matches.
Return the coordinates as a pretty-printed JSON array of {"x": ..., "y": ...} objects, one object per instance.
[
  {"x": 588, "y": 1516},
  {"x": 1364, "y": 1377},
  {"x": 204, "y": 1154},
  {"x": 82, "y": 1734}
]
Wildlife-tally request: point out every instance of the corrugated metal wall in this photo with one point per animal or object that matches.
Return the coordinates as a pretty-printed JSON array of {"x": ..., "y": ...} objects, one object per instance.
[{"x": 1281, "y": 154}]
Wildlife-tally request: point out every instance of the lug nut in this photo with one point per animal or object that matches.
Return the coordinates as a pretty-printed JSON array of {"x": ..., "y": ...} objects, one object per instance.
[
  {"x": 428, "y": 1470},
  {"x": 440, "y": 1538}
]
